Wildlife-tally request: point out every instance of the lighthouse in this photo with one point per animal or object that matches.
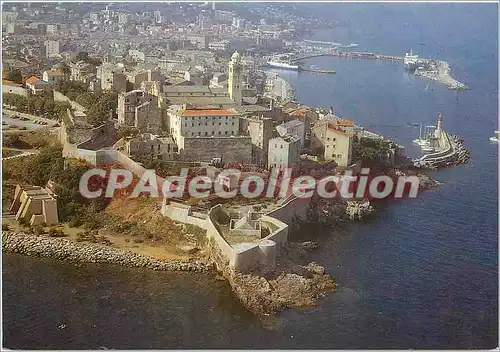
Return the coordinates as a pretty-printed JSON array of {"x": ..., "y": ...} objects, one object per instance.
[{"x": 439, "y": 129}]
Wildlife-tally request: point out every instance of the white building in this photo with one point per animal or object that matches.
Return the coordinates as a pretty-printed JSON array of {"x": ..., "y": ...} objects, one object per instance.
[
  {"x": 122, "y": 18},
  {"x": 157, "y": 15},
  {"x": 190, "y": 121},
  {"x": 51, "y": 48},
  {"x": 292, "y": 128},
  {"x": 284, "y": 152},
  {"x": 223, "y": 45},
  {"x": 137, "y": 55},
  {"x": 51, "y": 29},
  {"x": 53, "y": 76}
]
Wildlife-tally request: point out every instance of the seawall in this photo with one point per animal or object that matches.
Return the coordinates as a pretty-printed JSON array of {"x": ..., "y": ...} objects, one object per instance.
[{"x": 80, "y": 252}]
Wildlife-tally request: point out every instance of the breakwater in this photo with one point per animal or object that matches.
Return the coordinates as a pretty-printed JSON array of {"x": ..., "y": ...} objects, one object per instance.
[
  {"x": 435, "y": 70},
  {"x": 79, "y": 252},
  {"x": 452, "y": 152}
]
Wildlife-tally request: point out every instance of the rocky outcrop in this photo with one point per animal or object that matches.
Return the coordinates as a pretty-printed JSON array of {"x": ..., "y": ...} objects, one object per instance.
[
  {"x": 266, "y": 296},
  {"x": 425, "y": 182},
  {"x": 64, "y": 249},
  {"x": 358, "y": 210}
]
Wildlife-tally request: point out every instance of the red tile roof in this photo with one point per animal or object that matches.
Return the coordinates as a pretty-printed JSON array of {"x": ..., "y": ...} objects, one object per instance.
[
  {"x": 32, "y": 80},
  {"x": 343, "y": 122},
  {"x": 335, "y": 128},
  {"x": 208, "y": 112}
]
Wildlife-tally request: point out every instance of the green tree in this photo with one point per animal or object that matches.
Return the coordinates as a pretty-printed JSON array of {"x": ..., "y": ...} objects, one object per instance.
[{"x": 15, "y": 76}]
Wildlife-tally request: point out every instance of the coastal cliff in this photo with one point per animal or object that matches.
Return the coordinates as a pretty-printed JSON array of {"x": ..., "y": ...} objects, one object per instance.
[{"x": 267, "y": 295}]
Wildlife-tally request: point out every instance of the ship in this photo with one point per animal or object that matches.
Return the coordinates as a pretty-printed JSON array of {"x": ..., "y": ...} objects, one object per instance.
[
  {"x": 283, "y": 62},
  {"x": 495, "y": 138},
  {"x": 410, "y": 61},
  {"x": 283, "y": 65}
]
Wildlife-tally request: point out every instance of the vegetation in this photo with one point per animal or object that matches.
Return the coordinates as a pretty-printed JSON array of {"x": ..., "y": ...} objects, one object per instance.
[
  {"x": 99, "y": 107},
  {"x": 139, "y": 218},
  {"x": 28, "y": 139},
  {"x": 43, "y": 105},
  {"x": 56, "y": 233},
  {"x": 163, "y": 168},
  {"x": 10, "y": 152},
  {"x": 15, "y": 76},
  {"x": 370, "y": 151}
]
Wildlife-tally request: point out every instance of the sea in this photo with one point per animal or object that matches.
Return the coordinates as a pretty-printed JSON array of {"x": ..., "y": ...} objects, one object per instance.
[{"x": 423, "y": 274}]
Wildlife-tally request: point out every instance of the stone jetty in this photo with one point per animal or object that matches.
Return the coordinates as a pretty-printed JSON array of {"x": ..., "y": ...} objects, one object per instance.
[{"x": 79, "y": 252}]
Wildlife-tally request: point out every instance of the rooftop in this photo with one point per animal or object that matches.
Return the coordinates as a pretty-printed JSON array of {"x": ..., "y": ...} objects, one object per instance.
[
  {"x": 343, "y": 122},
  {"x": 32, "y": 80},
  {"x": 292, "y": 123},
  {"x": 335, "y": 128},
  {"x": 55, "y": 72},
  {"x": 186, "y": 89},
  {"x": 200, "y": 100},
  {"x": 208, "y": 112},
  {"x": 287, "y": 138}
]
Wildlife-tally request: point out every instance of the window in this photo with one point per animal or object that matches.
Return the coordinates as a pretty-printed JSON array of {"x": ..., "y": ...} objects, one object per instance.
[
  {"x": 206, "y": 133},
  {"x": 334, "y": 139},
  {"x": 281, "y": 146},
  {"x": 225, "y": 132},
  {"x": 328, "y": 139},
  {"x": 212, "y": 133},
  {"x": 192, "y": 125},
  {"x": 219, "y": 133}
]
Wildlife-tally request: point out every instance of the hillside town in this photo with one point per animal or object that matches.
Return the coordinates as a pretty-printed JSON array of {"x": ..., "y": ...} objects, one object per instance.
[{"x": 142, "y": 88}]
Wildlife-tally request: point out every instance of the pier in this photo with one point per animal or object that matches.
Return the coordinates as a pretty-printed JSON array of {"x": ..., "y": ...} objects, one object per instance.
[
  {"x": 449, "y": 151},
  {"x": 435, "y": 70},
  {"x": 318, "y": 70}
]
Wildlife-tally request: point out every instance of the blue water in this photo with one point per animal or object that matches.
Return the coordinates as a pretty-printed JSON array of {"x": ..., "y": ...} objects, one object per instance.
[{"x": 424, "y": 274}]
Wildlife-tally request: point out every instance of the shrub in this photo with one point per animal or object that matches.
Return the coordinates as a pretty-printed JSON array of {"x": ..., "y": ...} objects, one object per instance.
[
  {"x": 58, "y": 233},
  {"x": 75, "y": 222},
  {"x": 38, "y": 230},
  {"x": 138, "y": 240},
  {"x": 5, "y": 227}
]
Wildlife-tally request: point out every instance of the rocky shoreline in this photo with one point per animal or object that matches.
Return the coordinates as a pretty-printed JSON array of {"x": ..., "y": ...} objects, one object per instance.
[{"x": 79, "y": 252}]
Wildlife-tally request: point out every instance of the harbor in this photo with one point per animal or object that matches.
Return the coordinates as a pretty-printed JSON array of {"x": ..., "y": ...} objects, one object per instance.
[
  {"x": 435, "y": 70},
  {"x": 440, "y": 149}
]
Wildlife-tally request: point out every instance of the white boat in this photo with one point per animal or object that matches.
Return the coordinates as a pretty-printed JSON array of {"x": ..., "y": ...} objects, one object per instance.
[
  {"x": 410, "y": 61},
  {"x": 495, "y": 138},
  {"x": 282, "y": 61},
  {"x": 419, "y": 141},
  {"x": 283, "y": 65}
]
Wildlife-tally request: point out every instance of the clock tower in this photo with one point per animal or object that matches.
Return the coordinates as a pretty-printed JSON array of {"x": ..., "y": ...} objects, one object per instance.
[{"x": 235, "y": 78}]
